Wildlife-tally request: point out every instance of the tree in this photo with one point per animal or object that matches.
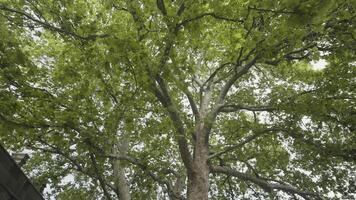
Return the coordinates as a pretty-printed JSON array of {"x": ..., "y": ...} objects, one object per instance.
[{"x": 181, "y": 99}]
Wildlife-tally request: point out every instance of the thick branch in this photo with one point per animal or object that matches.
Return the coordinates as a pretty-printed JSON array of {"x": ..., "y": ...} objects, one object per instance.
[
  {"x": 240, "y": 71},
  {"x": 214, "y": 15},
  {"x": 243, "y": 142},
  {"x": 101, "y": 180},
  {"x": 299, "y": 54},
  {"x": 329, "y": 150},
  {"x": 55, "y": 150},
  {"x": 183, "y": 86},
  {"x": 164, "y": 97},
  {"x": 161, "y": 6},
  {"x": 21, "y": 124},
  {"x": 147, "y": 170},
  {"x": 209, "y": 81},
  {"x": 76, "y": 165},
  {"x": 160, "y": 90},
  {"x": 234, "y": 108},
  {"x": 181, "y": 9},
  {"x": 192, "y": 103},
  {"x": 272, "y": 11},
  {"x": 267, "y": 186},
  {"x": 50, "y": 26}
]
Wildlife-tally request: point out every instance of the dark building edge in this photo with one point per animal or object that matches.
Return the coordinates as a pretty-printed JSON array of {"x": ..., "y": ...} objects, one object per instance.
[{"x": 14, "y": 184}]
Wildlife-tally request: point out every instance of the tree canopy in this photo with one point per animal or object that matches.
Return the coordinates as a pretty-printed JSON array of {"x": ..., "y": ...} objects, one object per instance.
[{"x": 181, "y": 99}]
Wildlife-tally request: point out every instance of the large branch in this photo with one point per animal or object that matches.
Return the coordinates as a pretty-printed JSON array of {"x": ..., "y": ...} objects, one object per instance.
[
  {"x": 234, "y": 108},
  {"x": 161, "y": 92},
  {"x": 52, "y": 149},
  {"x": 243, "y": 142},
  {"x": 264, "y": 184},
  {"x": 161, "y": 6},
  {"x": 22, "y": 124},
  {"x": 184, "y": 87},
  {"x": 281, "y": 11},
  {"x": 240, "y": 71},
  {"x": 210, "y": 14},
  {"x": 209, "y": 81},
  {"x": 328, "y": 150},
  {"x": 49, "y": 26},
  {"x": 101, "y": 180},
  {"x": 192, "y": 103},
  {"x": 148, "y": 171}
]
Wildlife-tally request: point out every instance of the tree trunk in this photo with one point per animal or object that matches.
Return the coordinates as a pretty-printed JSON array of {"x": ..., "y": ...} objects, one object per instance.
[
  {"x": 121, "y": 185},
  {"x": 198, "y": 177}
]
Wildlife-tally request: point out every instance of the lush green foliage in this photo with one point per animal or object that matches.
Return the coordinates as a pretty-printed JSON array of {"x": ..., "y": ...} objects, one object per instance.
[{"x": 96, "y": 87}]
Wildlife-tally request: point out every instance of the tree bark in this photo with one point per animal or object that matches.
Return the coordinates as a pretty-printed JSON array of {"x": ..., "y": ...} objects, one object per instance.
[
  {"x": 121, "y": 185},
  {"x": 198, "y": 177}
]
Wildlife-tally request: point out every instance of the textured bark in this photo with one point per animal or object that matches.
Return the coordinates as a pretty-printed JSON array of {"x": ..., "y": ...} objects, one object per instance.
[
  {"x": 198, "y": 178},
  {"x": 121, "y": 184}
]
